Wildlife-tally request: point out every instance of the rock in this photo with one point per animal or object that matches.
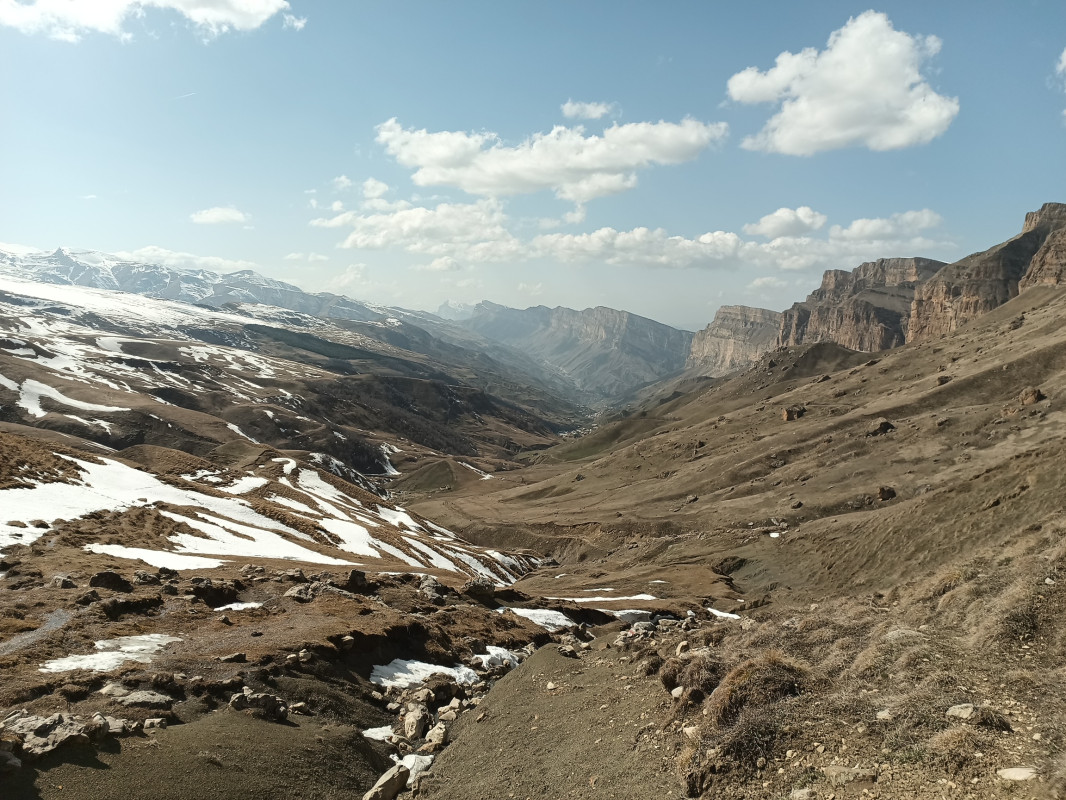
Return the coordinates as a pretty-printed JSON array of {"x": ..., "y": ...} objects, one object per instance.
[
  {"x": 885, "y": 493},
  {"x": 146, "y": 699},
  {"x": 879, "y": 427},
  {"x": 301, "y": 593},
  {"x": 1031, "y": 395},
  {"x": 803, "y": 794},
  {"x": 62, "y": 582},
  {"x": 884, "y": 714},
  {"x": 550, "y": 686},
  {"x": 1017, "y": 773},
  {"x": 681, "y": 648},
  {"x": 114, "y": 690},
  {"x": 415, "y": 723},
  {"x": 155, "y": 722},
  {"x": 234, "y": 658},
  {"x": 266, "y": 705},
  {"x": 116, "y": 726},
  {"x": 567, "y": 651},
  {"x": 677, "y": 691},
  {"x": 109, "y": 579},
  {"x": 432, "y": 589},
  {"x": 736, "y": 337},
  {"x": 390, "y": 784},
  {"x": 300, "y": 708},
  {"x": 842, "y": 776},
  {"x": 481, "y": 589},
  {"x": 793, "y": 413},
  {"x": 142, "y": 578},
  {"x": 88, "y": 598},
  {"x": 797, "y": 504},
  {"x": 448, "y": 716},
  {"x": 438, "y": 734},
  {"x": 355, "y": 581},
  {"x": 40, "y": 735},
  {"x": 961, "y": 711}
]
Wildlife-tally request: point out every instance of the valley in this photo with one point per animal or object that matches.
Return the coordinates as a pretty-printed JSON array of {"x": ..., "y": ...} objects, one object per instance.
[{"x": 294, "y": 544}]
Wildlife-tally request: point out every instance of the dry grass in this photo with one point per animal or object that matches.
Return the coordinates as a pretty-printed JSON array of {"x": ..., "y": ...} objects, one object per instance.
[
  {"x": 953, "y": 748},
  {"x": 759, "y": 681}
]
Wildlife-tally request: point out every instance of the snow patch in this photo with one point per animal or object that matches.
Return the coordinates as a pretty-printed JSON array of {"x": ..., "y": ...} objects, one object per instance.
[
  {"x": 112, "y": 653},
  {"x": 401, "y": 673}
]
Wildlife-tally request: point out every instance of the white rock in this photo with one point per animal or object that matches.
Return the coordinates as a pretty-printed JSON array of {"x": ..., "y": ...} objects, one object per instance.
[{"x": 1017, "y": 773}]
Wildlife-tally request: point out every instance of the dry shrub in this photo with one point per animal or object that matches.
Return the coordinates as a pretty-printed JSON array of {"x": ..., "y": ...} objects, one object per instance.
[
  {"x": 698, "y": 673},
  {"x": 947, "y": 581},
  {"x": 759, "y": 681},
  {"x": 990, "y": 718},
  {"x": 918, "y": 715},
  {"x": 953, "y": 748},
  {"x": 670, "y": 672},
  {"x": 1056, "y": 785},
  {"x": 650, "y": 665},
  {"x": 753, "y": 735}
]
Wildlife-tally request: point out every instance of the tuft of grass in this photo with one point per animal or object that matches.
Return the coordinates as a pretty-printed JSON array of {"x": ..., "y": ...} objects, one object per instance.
[
  {"x": 758, "y": 681},
  {"x": 953, "y": 748}
]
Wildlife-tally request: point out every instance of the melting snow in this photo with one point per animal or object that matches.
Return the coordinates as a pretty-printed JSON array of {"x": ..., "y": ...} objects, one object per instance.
[
  {"x": 113, "y": 653},
  {"x": 402, "y": 673},
  {"x": 723, "y": 614},
  {"x": 382, "y": 734},
  {"x": 245, "y": 485},
  {"x": 156, "y": 558},
  {"x": 546, "y": 618},
  {"x": 239, "y": 606},
  {"x": 605, "y": 599}
]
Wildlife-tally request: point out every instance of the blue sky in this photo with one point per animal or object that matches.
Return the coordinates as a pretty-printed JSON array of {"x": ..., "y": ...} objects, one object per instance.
[{"x": 661, "y": 158}]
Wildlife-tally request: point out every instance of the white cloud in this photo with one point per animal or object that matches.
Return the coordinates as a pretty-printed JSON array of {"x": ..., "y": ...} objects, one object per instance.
[
  {"x": 309, "y": 257},
  {"x": 373, "y": 188},
  {"x": 865, "y": 89},
  {"x": 1060, "y": 68},
  {"x": 294, "y": 257},
  {"x": 575, "y": 166},
  {"x": 898, "y": 226},
  {"x": 767, "y": 282},
  {"x": 294, "y": 23},
  {"x": 336, "y": 205},
  {"x": 532, "y": 289},
  {"x": 170, "y": 258},
  {"x": 88, "y": 197},
  {"x": 341, "y": 183},
  {"x": 442, "y": 264},
  {"x": 787, "y": 222},
  {"x": 218, "y": 215},
  {"x": 69, "y": 20},
  {"x": 477, "y": 231},
  {"x": 573, "y": 109},
  {"x": 353, "y": 275}
]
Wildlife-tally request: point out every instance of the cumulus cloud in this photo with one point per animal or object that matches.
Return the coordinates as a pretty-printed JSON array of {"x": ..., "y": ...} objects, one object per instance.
[
  {"x": 461, "y": 235},
  {"x": 218, "y": 215},
  {"x": 787, "y": 222},
  {"x": 866, "y": 89},
  {"x": 341, "y": 183},
  {"x": 532, "y": 289},
  {"x": 336, "y": 205},
  {"x": 171, "y": 258},
  {"x": 477, "y": 231},
  {"x": 573, "y": 109},
  {"x": 309, "y": 257},
  {"x": 69, "y": 20},
  {"x": 1060, "y": 68},
  {"x": 576, "y": 167},
  {"x": 373, "y": 188}
]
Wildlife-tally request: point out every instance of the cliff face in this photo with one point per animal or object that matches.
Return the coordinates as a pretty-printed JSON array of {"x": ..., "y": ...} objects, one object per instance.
[
  {"x": 982, "y": 281},
  {"x": 867, "y": 308},
  {"x": 737, "y": 336},
  {"x": 603, "y": 351}
]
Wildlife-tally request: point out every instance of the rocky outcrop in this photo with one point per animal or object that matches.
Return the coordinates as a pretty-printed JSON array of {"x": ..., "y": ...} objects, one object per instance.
[
  {"x": 737, "y": 336},
  {"x": 603, "y": 351},
  {"x": 867, "y": 308},
  {"x": 982, "y": 281}
]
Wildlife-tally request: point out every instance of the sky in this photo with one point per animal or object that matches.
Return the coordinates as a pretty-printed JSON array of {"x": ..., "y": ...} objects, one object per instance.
[{"x": 665, "y": 159}]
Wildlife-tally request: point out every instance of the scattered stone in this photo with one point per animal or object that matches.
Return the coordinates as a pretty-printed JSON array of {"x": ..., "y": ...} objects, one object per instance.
[
  {"x": 1017, "y": 773},
  {"x": 1031, "y": 395},
  {"x": 225, "y": 620},
  {"x": 550, "y": 686},
  {"x": 432, "y": 589},
  {"x": 803, "y": 794},
  {"x": 40, "y": 735},
  {"x": 415, "y": 723},
  {"x": 147, "y": 699},
  {"x": 480, "y": 589},
  {"x": 266, "y": 705},
  {"x": 108, "y": 579},
  {"x": 879, "y": 427},
  {"x": 155, "y": 722},
  {"x": 88, "y": 598},
  {"x": 438, "y": 735},
  {"x": 793, "y": 413},
  {"x": 62, "y": 582},
  {"x": 567, "y": 651},
  {"x": 682, "y": 647},
  {"x": 677, "y": 691},
  {"x": 355, "y": 581},
  {"x": 961, "y": 711},
  {"x": 390, "y": 784},
  {"x": 142, "y": 578},
  {"x": 234, "y": 658},
  {"x": 300, "y": 708},
  {"x": 885, "y": 493},
  {"x": 796, "y": 505},
  {"x": 301, "y": 593},
  {"x": 842, "y": 776}
]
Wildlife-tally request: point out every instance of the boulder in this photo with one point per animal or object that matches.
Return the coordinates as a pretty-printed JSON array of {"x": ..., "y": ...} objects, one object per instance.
[
  {"x": 108, "y": 579},
  {"x": 147, "y": 699},
  {"x": 390, "y": 784},
  {"x": 481, "y": 589},
  {"x": 62, "y": 582},
  {"x": 266, "y": 705}
]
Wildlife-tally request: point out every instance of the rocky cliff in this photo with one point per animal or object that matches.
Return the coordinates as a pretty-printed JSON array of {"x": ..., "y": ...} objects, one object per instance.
[
  {"x": 867, "y": 308},
  {"x": 737, "y": 336},
  {"x": 603, "y": 351},
  {"x": 982, "y": 281}
]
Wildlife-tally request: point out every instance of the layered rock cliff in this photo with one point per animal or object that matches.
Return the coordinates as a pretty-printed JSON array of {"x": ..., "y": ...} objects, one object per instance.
[
  {"x": 603, "y": 351},
  {"x": 867, "y": 308},
  {"x": 982, "y": 281},
  {"x": 737, "y": 336}
]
